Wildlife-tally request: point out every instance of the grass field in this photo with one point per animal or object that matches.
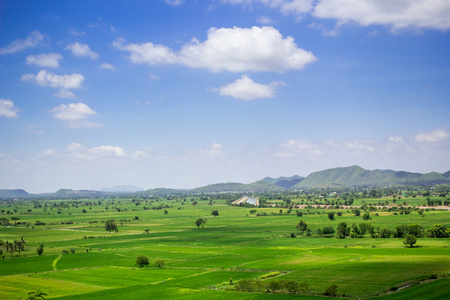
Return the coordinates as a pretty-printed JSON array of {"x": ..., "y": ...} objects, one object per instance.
[{"x": 199, "y": 262}]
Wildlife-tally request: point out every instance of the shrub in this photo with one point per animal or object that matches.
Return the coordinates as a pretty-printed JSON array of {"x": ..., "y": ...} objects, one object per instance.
[
  {"x": 331, "y": 291},
  {"x": 142, "y": 261}
]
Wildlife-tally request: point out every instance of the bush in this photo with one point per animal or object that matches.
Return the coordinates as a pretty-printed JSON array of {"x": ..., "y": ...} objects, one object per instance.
[
  {"x": 142, "y": 261},
  {"x": 331, "y": 291}
]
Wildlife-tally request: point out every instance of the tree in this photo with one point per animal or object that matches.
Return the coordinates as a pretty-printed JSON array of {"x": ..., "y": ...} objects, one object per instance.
[
  {"x": 200, "y": 222},
  {"x": 331, "y": 216},
  {"x": 385, "y": 233},
  {"x": 410, "y": 240},
  {"x": 36, "y": 295},
  {"x": 331, "y": 291},
  {"x": 15, "y": 219},
  {"x": 142, "y": 261},
  {"x": 416, "y": 230},
  {"x": 301, "y": 226},
  {"x": 354, "y": 231},
  {"x": 357, "y": 212},
  {"x": 111, "y": 225},
  {"x": 160, "y": 263},
  {"x": 215, "y": 213},
  {"x": 342, "y": 230},
  {"x": 438, "y": 231},
  {"x": 366, "y": 216},
  {"x": 40, "y": 249}
]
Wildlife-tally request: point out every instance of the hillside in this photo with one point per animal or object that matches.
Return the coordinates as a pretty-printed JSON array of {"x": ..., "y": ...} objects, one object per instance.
[
  {"x": 357, "y": 176},
  {"x": 258, "y": 186},
  {"x": 13, "y": 193},
  {"x": 122, "y": 188},
  {"x": 284, "y": 182}
]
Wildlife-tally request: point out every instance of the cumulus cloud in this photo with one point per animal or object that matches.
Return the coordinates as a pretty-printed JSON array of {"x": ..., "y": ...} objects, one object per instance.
[
  {"x": 50, "y": 60},
  {"x": 7, "y": 109},
  {"x": 34, "y": 38},
  {"x": 63, "y": 93},
  {"x": 82, "y": 152},
  {"x": 395, "y": 14},
  {"x": 437, "y": 135},
  {"x": 75, "y": 114},
  {"x": 45, "y": 78},
  {"x": 246, "y": 89},
  {"x": 107, "y": 66},
  {"x": 78, "y": 49},
  {"x": 227, "y": 49}
]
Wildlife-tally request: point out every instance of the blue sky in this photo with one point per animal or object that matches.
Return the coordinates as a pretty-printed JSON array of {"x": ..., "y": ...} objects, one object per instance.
[{"x": 181, "y": 94}]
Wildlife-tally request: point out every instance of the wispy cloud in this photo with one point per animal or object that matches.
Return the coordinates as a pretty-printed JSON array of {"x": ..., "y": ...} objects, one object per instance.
[
  {"x": 50, "y": 60},
  {"x": 75, "y": 114},
  {"x": 34, "y": 38},
  {"x": 81, "y": 50},
  {"x": 7, "y": 109}
]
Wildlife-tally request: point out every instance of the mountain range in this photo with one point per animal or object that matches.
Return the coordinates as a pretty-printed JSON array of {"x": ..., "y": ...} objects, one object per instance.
[{"x": 353, "y": 176}]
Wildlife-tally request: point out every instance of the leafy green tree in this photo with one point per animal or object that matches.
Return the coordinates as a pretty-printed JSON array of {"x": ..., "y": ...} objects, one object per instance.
[
  {"x": 142, "y": 261},
  {"x": 111, "y": 225},
  {"x": 331, "y": 291},
  {"x": 438, "y": 231},
  {"x": 15, "y": 219},
  {"x": 40, "y": 249},
  {"x": 354, "y": 231},
  {"x": 200, "y": 222},
  {"x": 342, "y": 230},
  {"x": 301, "y": 226},
  {"x": 331, "y": 216},
  {"x": 215, "y": 213},
  {"x": 357, "y": 212},
  {"x": 416, "y": 230},
  {"x": 385, "y": 233},
  {"x": 410, "y": 240},
  {"x": 366, "y": 216}
]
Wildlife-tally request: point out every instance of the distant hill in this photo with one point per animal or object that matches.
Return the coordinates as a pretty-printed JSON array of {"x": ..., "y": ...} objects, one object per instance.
[
  {"x": 13, "y": 193},
  {"x": 258, "y": 186},
  {"x": 357, "y": 176},
  {"x": 68, "y": 193},
  {"x": 122, "y": 188},
  {"x": 284, "y": 182}
]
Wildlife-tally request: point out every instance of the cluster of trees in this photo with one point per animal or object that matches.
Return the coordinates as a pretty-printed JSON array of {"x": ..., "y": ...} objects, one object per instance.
[
  {"x": 359, "y": 230},
  {"x": 17, "y": 245},
  {"x": 281, "y": 286},
  {"x": 143, "y": 260}
]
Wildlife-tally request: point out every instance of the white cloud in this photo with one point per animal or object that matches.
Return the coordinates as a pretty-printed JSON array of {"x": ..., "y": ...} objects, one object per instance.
[
  {"x": 227, "y": 49},
  {"x": 81, "y": 50},
  {"x": 79, "y": 151},
  {"x": 49, "y": 152},
  {"x": 264, "y": 20},
  {"x": 33, "y": 129},
  {"x": 399, "y": 14},
  {"x": 45, "y": 78},
  {"x": 437, "y": 135},
  {"x": 75, "y": 114},
  {"x": 76, "y": 33},
  {"x": 297, "y": 7},
  {"x": 63, "y": 93},
  {"x": 50, "y": 60},
  {"x": 107, "y": 66},
  {"x": 396, "y": 139},
  {"x": 72, "y": 111},
  {"x": 7, "y": 109},
  {"x": 395, "y": 14},
  {"x": 34, "y": 38},
  {"x": 175, "y": 2},
  {"x": 246, "y": 89}
]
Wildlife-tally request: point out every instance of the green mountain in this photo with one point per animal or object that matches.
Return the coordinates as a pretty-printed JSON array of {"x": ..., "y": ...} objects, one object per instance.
[
  {"x": 284, "y": 182},
  {"x": 260, "y": 186},
  {"x": 357, "y": 176}
]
